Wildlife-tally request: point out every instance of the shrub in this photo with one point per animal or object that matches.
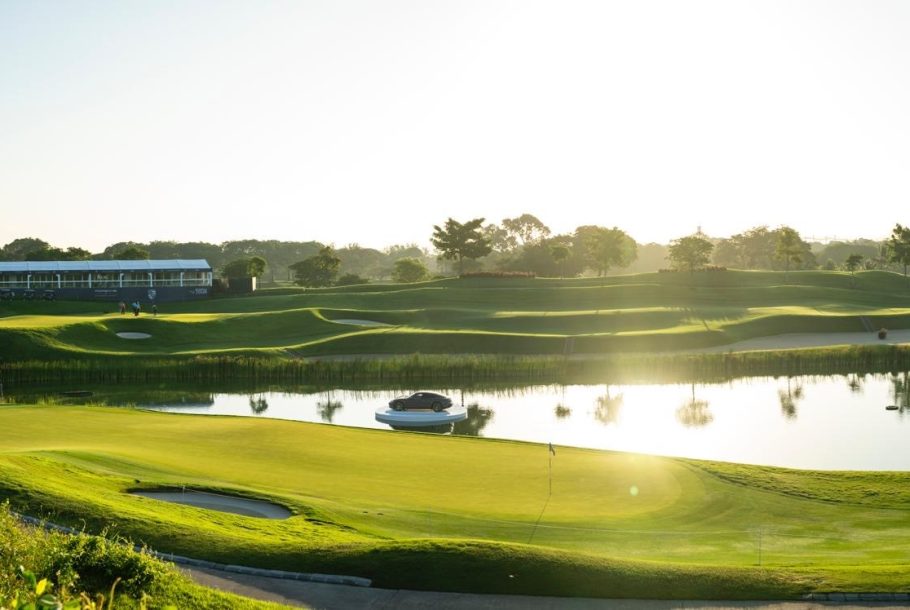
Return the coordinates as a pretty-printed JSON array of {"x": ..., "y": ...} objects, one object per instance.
[
  {"x": 100, "y": 563},
  {"x": 882, "y": 333},
  {"x": 351, "y": 279}
]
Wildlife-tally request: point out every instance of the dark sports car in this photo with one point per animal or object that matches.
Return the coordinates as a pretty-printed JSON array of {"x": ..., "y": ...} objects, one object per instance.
[{"x": 421, "y": 400}]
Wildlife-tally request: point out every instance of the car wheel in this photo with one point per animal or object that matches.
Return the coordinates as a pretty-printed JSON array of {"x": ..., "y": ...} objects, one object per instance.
[
  {"x": 437, "y": 407},
  {"x": 397, "y": 406}
]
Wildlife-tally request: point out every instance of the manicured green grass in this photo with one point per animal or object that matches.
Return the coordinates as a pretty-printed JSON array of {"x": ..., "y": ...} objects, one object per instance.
[
  {"x": 635, "y": 313},
  {"x": 422, "y": 511}
]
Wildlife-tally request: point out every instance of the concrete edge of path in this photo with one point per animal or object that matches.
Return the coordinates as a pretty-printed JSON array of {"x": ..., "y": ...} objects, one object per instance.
[
  {"x": 335, "y": 579},
  {"x": 334, "y": 597}
]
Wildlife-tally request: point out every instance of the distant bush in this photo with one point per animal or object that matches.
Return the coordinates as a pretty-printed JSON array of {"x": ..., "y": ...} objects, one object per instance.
[
  {"x": 351, "y": 279},
  {"x": 883, "y": 333},
  {"x": 499, "y": 274}
]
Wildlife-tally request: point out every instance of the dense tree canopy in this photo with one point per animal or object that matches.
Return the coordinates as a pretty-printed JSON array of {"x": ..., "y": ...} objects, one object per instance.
[
  {"x": 458, "y": 241},
  {"x": 319, "y": 270},
  {"x": 253, "y": 266},
  {"x": 788, "y": 247},
  {"x": 690, "y": 253},
  {"x": 409, "y": 270},
  {"x": 609, "y": 248}
]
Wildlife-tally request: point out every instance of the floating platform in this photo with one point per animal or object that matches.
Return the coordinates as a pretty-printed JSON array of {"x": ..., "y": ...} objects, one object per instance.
[{"x": 417, "y": 418}]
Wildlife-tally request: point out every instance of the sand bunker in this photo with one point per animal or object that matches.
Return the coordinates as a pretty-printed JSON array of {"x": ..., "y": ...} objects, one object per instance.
[
  {"x": 134, "y": 335},
  {"x": 360, "y": 322},
  {"x": 219, "y": 502}
]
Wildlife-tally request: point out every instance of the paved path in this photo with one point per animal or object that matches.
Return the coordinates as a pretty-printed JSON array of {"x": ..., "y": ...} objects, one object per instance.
[{"x": 340, "y": 597}]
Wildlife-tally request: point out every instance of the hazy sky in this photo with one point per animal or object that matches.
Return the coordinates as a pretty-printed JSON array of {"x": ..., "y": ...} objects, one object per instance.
[{"x": 369, "y": 121}]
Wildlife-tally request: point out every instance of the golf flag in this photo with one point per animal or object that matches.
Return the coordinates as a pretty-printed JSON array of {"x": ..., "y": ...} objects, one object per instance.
[{"x": 552, "y": 450}]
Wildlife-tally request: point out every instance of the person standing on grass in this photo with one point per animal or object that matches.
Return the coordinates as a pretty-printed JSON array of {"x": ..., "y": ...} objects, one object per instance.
[
  {"x": 122, "y": 308},
  {"x": 154, "y": 309}
]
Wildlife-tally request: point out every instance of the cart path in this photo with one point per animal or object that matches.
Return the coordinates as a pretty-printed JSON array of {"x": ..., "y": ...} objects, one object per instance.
[{"x": 340, "y": 597}]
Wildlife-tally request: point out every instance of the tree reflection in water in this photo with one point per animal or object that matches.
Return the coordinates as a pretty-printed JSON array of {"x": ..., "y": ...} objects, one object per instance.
[
  {"x": 789, "y": 398},
  {"x": 694, "y": 413},
  {"x": 259, "y": 404},
  {"x": 477, "y": 420},
  {"x": 326, "y": 409},
  {"x": 900, "y": 391},
  {"x": 855, "y": 383},
  {"x": 607, "y": 408}
]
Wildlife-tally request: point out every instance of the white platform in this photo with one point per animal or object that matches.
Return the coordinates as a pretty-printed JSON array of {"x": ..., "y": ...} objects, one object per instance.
[{"x": 420, "y": 417}]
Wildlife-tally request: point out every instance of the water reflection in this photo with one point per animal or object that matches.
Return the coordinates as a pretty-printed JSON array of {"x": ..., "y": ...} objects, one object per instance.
[
  {"x": 855, "y": 383},
  {"x": 607, "y": 408},
  {"x": 836, "y": 421},
  {"x": 259, "y": 404},
  {"x": 477, "y": 419},
  {"x": 327, "y": 408},
  {"x": 789, "y": 398},
  {"x": 900, "y": 391},
  {"x": 694, "y": 413},
  {"x": 438, "y": 429}
]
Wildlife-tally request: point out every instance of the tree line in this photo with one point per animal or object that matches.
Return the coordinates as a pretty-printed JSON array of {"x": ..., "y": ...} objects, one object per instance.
[{"x": 521, "y": 244}]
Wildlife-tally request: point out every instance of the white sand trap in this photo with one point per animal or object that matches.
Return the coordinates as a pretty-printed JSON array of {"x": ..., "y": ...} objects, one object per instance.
[
  {"x": 134, "y": 335},
  {"x": 222, "y": 503},
  {"x": 360, "y": 322}
]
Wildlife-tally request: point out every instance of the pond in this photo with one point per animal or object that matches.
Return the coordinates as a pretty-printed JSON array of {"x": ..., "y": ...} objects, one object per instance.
[{"x": 822, "y": 422}]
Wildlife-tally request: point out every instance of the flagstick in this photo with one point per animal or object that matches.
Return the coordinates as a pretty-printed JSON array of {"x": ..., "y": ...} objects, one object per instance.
[{"x": 550, "y": 475}]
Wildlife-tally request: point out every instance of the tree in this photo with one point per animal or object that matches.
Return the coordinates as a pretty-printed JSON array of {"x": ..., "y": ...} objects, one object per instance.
[
  {"x": 133, "y": 253},
  {"x": 17, "y": 249},
  {"x": 525, "y": 229},
  {"x": 500, "y": 240},
  {"x": 319, "y": 270},
  {"x": 244, "y": 267},
  {"x": 457, "y": 241},
  {"x": 608, "y": 248},
  {"x": 409, "y": 270},
  {"x": 899, "y": 246},
  {"x": 853, "y": 262},
  {"x": 690, "y": 253},
  {"x": 559, "y": 253},
  {"x": 58, "y": 254},
  {"x": 789, "y": 247}
]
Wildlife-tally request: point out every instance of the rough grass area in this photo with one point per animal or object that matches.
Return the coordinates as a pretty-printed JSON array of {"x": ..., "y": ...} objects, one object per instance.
[
  {"x": 89, "y": 568},
  {"x": 428, "y": 512},
  {"x": 636, "y": 313}
]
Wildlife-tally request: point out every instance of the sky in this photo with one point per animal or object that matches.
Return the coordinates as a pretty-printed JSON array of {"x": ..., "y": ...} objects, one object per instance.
[{"x": 368, "y": 122}]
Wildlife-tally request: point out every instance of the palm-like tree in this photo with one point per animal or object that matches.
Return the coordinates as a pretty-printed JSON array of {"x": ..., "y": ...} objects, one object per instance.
[
  {"x": 607, "y": 408},
  {"x": 789, "y": 398},
  {"x": 694, "y": 413},
  {"x": 327, "y": 408}
]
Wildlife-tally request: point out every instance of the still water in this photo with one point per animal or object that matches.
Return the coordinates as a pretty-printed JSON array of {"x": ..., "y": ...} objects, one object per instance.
[{"x": 835, "y": 422}]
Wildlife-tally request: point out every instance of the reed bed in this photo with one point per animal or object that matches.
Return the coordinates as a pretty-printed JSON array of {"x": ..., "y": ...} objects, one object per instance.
[{"x": 611, "y": 368}]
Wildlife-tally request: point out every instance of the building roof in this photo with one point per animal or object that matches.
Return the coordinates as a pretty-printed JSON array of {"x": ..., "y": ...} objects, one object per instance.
[{"x": 88, "y": 266}]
